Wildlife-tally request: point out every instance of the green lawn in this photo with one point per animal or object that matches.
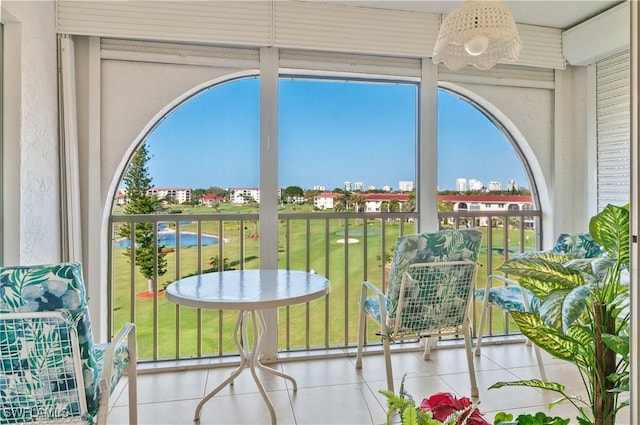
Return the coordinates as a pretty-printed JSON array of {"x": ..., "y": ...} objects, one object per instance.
[{"x": 185, "y": 332}]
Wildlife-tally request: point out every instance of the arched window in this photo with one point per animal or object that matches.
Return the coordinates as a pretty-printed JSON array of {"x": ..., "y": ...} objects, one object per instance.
[{"x": 474, "y": 150}]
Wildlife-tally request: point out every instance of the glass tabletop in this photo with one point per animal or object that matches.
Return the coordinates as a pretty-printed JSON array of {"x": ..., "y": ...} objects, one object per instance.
[{"x": 247, "y": 289}]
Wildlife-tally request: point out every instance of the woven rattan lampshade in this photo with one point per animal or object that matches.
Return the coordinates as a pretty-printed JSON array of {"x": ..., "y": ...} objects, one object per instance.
[{"x": 479, "y": 33}]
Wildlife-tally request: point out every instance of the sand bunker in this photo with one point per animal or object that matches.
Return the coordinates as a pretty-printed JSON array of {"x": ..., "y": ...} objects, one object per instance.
[{"x": 350, "y": 240}]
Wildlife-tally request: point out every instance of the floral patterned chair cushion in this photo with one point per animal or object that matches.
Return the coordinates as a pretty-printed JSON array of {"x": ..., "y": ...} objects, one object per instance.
[
  {"x": 59, "y": 287},
  {"x": 579, "y": 245},
  {"x": 442, "y": 246},
  {"x": 509, "y": 298}
]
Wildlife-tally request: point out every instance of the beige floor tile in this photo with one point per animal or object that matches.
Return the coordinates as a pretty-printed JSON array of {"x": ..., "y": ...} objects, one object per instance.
[
  {"x": 169, "y": 386},
  {"x": 244, "y": 383},
  {"x": 515, "y": 355},
  {"x": 332, "y": 391},
  {"x": 247, "y": 409},
  {"x": 164, "y": 413},
  {"x": 337, "y": 404},
  {"x": 322, "y": 372},
  {"x": 496, "y": 399}
]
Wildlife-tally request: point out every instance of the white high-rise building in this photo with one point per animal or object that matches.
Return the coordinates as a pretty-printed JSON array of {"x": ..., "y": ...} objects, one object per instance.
[
  {"x": 513, "y": 185},
  {"x": 494, "y": 186},
  {"x": 405, "y": 186},
  {"x": 357, "y": 186},
  {"x": 347, "y": 186},
  {"x": 386, "y": 188},
  {"x": 319, "y": 187},
  {"x": 475, "y": 184},
  {"x": 461, "y": 185}
]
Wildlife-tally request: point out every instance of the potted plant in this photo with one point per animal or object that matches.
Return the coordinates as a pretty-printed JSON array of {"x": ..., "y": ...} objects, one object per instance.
[
  {"x": 584, "y": 316},
  {"x": 441, "y": 408}
]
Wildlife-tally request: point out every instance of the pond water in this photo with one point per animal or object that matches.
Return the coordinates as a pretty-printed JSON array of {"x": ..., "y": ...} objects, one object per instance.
[{"x": 168, "y": 238}]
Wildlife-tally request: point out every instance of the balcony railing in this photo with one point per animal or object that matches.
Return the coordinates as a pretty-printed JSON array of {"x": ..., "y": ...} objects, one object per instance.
[{"x": 345, "y": 247}]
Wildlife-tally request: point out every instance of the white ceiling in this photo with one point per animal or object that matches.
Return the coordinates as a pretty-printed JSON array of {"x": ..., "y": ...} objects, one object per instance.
[{"x": 561, "y": 14}]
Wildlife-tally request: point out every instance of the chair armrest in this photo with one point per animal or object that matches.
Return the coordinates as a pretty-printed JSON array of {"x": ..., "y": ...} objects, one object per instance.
[
  {"x": 372, "y": 288},
  {"x": 366, "y": 285},
  {"x": 127, "y": 332},
  {"x": 502, "y": 278},
  {"x": 525, "y": 293}
]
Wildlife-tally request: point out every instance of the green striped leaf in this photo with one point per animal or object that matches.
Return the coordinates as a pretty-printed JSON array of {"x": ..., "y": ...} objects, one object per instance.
[
  {"x": 541, "y": 269},
  {"x": 540, "y": 288},
  {"x": 551, "y": 308},
  {"x": 619, "y": 344},
  {"x": 610, "y": 228},
  {"x": 549, "y": 339},
  {"x": 533, "y": 383}
]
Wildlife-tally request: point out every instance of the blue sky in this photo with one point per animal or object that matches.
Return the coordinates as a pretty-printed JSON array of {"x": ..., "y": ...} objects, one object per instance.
[{"x": 329, "y": 132}]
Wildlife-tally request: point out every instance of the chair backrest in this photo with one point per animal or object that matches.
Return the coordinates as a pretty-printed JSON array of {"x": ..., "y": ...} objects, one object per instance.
[
  {"x": 578, "y": 245},
  {"x": 434, "y": 247},
  {"x": 54, "y": 287},
  {"x": 434, "y": 297},
  {"x": 40, "y": 369}
]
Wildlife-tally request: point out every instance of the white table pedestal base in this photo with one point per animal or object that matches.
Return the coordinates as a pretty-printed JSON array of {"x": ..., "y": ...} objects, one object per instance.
[{"x": 248, "y": 359}]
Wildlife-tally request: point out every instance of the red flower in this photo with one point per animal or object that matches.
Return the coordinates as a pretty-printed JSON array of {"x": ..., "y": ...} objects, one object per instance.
[{"x": 442, "y": 405}]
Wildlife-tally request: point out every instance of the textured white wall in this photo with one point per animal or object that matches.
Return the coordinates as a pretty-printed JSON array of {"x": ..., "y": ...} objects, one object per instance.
[
  {"x": 138, "y": 95},
  {"x": 36, "y": 212}
]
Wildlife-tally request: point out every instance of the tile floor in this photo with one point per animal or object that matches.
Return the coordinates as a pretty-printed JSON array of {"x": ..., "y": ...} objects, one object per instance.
[{"x": 332, "y": 391}]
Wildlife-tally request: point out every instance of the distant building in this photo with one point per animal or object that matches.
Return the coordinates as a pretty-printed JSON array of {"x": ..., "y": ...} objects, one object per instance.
[
  {"x": 357, "y": 186},
  {"x": 121, "y": 197},
  {"x": 346, "y": 186},
  {"x": 494, "y": 186},
  {"x": 321, "y": 188},
  {"x": 375, "y": 201},
  {"x": 208, "y": 199},
  {"x": 179, "y": 195},
  {"x": 405, "y": 186},
  {"x": 386, "y": 188},
  {"x": 325, "y": 200},
  {"x": 489, "y": 202},
  {"x": 475, "y": 185},
  {"x": 371, "y": 187},
  {"x": 243, "y": 195},
  {"x": 461, "y": 185},
  {"x": 513, "y": 185}
]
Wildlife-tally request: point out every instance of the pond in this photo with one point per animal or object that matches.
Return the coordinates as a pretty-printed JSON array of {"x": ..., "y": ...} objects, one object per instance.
[{"x": 168, "y": 238}]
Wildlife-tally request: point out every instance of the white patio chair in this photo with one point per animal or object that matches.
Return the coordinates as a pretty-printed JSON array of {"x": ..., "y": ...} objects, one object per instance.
[
  {"x": 50, "y": 369},
  {"x": 430, "y": 289}
]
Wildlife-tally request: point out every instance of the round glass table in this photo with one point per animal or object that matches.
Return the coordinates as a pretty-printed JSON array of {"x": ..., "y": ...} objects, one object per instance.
[{"x": 249, "y": 292}]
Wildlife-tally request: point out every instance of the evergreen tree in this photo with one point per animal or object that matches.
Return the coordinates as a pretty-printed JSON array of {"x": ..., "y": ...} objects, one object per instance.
[{"x": 137, "y": 184}]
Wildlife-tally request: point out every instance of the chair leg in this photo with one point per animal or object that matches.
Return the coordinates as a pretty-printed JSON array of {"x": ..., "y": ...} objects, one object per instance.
[
  {"x": 429, "y": 343},
  {"x": 132, "y": 376},
  {"x": 387, "y": 363},
  {"x": 361, "y": 323},
  {"x": 543, "y": 374},
  {"x": 472, "y": 370},
  {"x": 483, "y": 317}
]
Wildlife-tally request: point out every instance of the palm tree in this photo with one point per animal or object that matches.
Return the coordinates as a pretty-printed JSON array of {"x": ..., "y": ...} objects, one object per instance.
[{"x": 358, "y": 201}]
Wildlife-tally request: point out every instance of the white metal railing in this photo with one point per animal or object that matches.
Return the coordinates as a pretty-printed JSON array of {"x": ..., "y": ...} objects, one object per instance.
[{"x": 346, "y": 247}]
